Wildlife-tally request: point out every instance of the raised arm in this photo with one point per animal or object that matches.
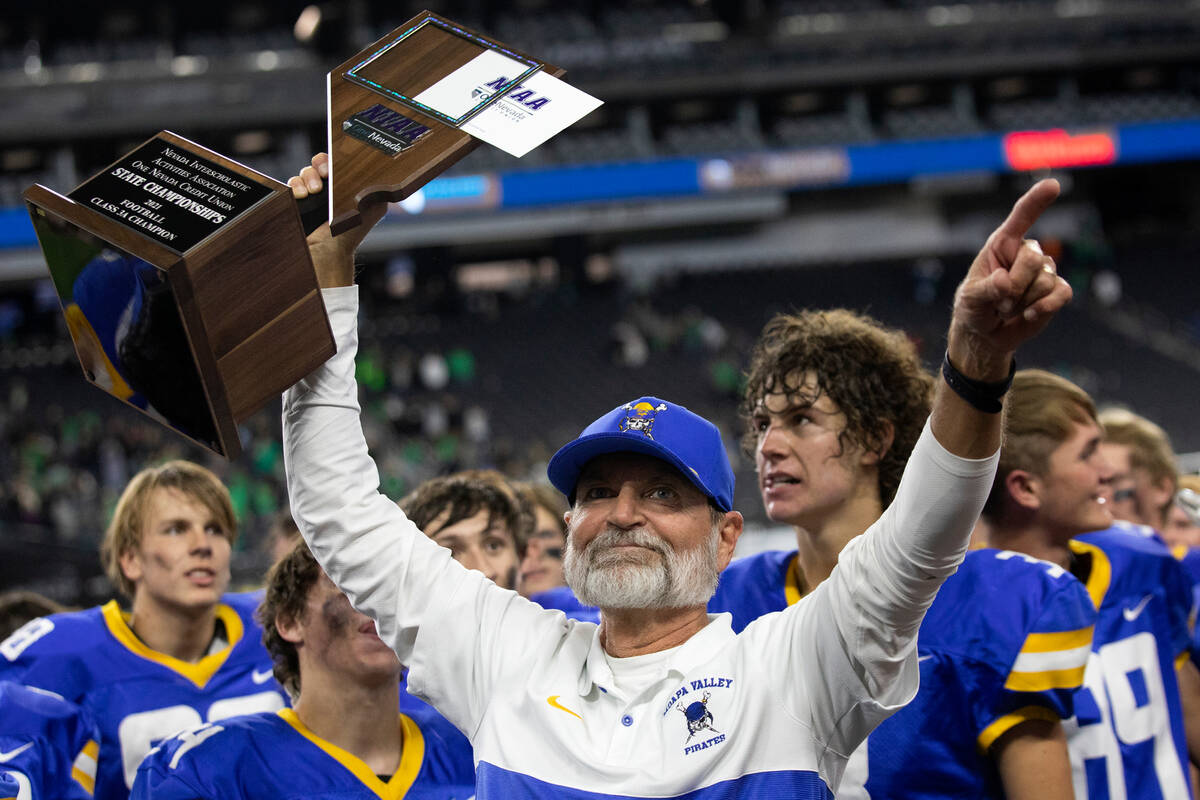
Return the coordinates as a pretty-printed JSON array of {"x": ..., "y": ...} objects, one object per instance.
[
  {"x": 865, "y": 617},
  {"x": 446, "y": 623},
  {"x": 1009, "y": 295}
]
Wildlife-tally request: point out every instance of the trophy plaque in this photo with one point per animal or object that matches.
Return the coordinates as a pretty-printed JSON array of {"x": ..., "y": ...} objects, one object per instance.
[
  {"x": 185, "y": 278},
  {"x": 186, "y": 284}
]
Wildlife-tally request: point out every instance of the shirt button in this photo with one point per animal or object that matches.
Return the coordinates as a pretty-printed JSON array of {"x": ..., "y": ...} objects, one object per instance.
[{"x": 626, "y": 720}]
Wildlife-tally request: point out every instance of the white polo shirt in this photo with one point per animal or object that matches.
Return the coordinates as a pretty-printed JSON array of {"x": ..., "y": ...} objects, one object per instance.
[{"x": 774, "y": 711}]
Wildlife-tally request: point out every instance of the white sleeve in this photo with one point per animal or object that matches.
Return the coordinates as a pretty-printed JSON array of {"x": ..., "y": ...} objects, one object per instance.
[
  {"x": 850, "y": 645},
  {"x": 387, "y": 567},
  {"x": 919, "y": 541}
]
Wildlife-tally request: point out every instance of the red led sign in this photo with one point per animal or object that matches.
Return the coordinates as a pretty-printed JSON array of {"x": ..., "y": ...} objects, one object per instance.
[{"x": 1026, "y": 150}]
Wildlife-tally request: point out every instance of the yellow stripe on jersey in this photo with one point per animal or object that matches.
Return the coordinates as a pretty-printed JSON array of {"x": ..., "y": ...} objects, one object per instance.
[
  {"x": 88, "y": 783},
  {"x": 1051, "y": 661},
  {"x": 1182, "y": 659},
  {"x": 198, "y": 673},
  {"x": 793, "y": 584},
  {"x": 1065, "y": 640},
  {"x": 1006, "y": 723},
  {"x": 412, "y": 756},
  {"x": 84, "y": 768},
  {"x": 1071, "y": 678},
  {"x": 1101, "y": 573}
]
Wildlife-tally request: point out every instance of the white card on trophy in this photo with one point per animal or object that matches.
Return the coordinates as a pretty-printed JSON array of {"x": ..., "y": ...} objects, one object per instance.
[{"x": 525, "y": 117}]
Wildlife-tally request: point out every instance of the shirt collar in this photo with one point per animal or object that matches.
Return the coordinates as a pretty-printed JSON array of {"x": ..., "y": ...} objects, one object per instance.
[{"x": 707, "y": 641}]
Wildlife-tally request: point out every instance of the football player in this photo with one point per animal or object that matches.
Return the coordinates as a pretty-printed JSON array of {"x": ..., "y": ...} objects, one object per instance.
[
  {"x": 833, "y": 406},
  {"x": 1144, "y": 475},
  {"x": 834, "y": 403},
  {"x": 479, "y": 517},
  {"x": 542, "y": 579},
  {"x": 183, "y": 654},
  {"x": 541, "y": 567},
  {"x": 1183, "y": 518},
  {"x": 1143, "y": 496},
  {"x": 342, "y": 738},
  {"x": 1049, "y": 501},
  {"x": 47, "y": 746}
]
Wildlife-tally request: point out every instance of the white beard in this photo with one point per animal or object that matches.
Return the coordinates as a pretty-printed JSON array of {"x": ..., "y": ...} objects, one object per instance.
[{"x": 669, "y": 579}]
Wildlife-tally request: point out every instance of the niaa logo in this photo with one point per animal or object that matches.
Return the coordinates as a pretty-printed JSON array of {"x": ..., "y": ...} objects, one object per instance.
[
  {"x": 519, "y": 94},
  {"x": 384, "y": 128}
]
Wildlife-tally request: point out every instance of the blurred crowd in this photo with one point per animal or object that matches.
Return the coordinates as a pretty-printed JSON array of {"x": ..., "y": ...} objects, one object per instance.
[{"x": 64, "y": 463}]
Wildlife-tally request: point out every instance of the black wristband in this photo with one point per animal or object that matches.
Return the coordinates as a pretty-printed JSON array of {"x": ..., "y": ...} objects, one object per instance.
[{"x": 979, "y": 394}]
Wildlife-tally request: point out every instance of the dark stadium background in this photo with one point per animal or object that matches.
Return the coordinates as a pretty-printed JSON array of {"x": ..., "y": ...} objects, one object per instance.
[{"x": 751, "y": 157}]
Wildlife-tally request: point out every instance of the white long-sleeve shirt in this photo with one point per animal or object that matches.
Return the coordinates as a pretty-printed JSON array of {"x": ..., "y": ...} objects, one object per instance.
[{"x": 777, "y": 708}]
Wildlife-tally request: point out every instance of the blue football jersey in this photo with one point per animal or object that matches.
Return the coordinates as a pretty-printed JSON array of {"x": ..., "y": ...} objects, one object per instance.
[
  {"x": 1127, "y": 738},
  {"x": 138, "y": 696},
  {"x": 9, "y": 787},
  {"x": 276, "y": 756},
  {"x": 755, "y": 585},
  {"x": 451, "y": 739},
  {"x": 410, "y": 704},
  {"x": 1189, "y": 557},
  {"x": 47, "y": 745},
  {"x": 561, "y": 598},
  {"x": 1005, "y": 641}
]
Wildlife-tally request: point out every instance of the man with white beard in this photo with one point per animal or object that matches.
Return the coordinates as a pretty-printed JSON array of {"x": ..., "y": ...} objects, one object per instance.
[
  {"x": 632, "y": 567},
  {"x": 661, "y": 699},
  {"x": 680, "y": 579}
]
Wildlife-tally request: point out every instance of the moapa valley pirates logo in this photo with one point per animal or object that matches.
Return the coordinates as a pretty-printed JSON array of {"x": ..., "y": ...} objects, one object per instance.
[
  {"x": 642, "y": 418},
  {"x": 701, "y": 733},
  {"x": 698, "y": 717}
]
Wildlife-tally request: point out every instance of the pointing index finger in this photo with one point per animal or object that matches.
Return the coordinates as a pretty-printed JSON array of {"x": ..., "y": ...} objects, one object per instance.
[{"x": 1028, "y": 208}]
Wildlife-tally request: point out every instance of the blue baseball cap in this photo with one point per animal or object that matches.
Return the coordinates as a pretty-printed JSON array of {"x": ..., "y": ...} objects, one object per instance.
[{"x": 656, "y": 428}]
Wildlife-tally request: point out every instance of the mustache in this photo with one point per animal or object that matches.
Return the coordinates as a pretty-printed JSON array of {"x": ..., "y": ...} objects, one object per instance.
[{"x": 613, "y": 537}]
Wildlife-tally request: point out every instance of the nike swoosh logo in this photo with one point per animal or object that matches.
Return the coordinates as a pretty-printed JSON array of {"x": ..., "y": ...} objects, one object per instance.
[
  {"x": 553, "y": 701},
  {"x": 11, "y": 754},
  {"x": 923, "y": 658},
  {"x": 1133, "y": 613},
  {"x": 262, "y": 677}
]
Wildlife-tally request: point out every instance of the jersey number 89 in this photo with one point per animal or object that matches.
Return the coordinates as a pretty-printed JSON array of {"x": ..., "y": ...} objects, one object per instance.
[{"x": 1126, "y": 719}]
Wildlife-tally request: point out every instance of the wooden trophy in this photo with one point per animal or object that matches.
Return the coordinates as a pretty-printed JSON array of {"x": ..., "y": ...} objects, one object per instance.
[
  {"x": 385, "y": 139},
  {"x": 184, "y": 276},
  {"x": 186, "y": 284}
]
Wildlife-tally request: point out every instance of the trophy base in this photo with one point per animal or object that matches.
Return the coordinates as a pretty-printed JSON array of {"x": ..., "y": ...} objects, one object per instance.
[{"x": 196, "y": 325}]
